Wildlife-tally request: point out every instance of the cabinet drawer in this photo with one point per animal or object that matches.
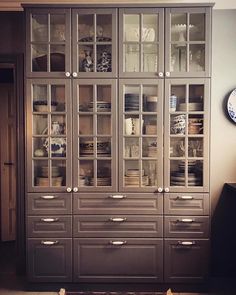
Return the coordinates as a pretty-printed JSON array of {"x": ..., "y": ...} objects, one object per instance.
[
  {"x": 41, "y": 203},
  {"x": 118, "y": 203},
  {"x": 49, "y": 226},
  {"x": 186, "y": 226},
  {"x": 118, "y": 260},
  {"x": 186, "y": 260},
  {"x": 117, "y": 225},
  {"x": 189, "y": 204},
  {"x": 49, "y": 260}
]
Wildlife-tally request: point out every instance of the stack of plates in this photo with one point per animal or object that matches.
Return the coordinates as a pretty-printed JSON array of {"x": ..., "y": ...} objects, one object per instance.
[
  {"x": 152, "y": 151},
  {"x": 44, "y": 181},
  {"x": 131, "y": 102},
  {"x": 102, "y": 181},
  {"x": 132, "y": 178},
  {"x": 191, "y": 166},
  {"x": 102, "y": 106},
  {"x": 54, "y": 171},
  {"x": 178, "y": 179},
  {"x": 192, "y": 106},
  {"x": 87, "y": 149}
]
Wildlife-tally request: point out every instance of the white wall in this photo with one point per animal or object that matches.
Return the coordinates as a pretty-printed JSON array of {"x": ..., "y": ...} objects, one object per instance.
[{"x": 223, "y": 132}]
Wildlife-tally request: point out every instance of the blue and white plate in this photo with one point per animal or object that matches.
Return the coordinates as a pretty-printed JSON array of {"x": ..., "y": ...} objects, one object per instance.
[{"x": 231, "y": 105}]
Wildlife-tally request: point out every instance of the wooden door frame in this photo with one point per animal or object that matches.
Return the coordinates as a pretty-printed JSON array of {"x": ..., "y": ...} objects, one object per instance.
[{"x": 17, "y": 62}]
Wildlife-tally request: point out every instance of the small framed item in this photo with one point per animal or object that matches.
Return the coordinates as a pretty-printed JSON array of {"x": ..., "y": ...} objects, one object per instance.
[{"x": 231, "y": 105}]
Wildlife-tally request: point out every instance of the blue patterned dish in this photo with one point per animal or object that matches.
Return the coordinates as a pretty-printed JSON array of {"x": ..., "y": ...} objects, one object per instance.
[{"x": 231, "y": 105}]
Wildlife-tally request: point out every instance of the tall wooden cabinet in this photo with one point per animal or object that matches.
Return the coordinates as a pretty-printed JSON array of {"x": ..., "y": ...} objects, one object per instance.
[{"x": 118, "y": 143}]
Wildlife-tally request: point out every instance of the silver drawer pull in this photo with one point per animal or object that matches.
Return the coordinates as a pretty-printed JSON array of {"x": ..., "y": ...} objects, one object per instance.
[
  {"x": 49, "y": 243},
  {"x": 49, "y": 219},
  {"x": 185, "y": 220},
  {"x": 117, "y": 196},
  {"x": 48, "y": 197},
  {"x": 118, "y": 219},
  {"x": 186, "y": 243},
  {"x": 118, "y": 243},
  {"x": 184, "y": 198}
]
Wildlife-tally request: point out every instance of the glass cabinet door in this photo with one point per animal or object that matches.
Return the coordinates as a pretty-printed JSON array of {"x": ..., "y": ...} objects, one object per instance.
[
  {"x": 95, "y": 139},
  {"x": 187, "y": 42},
  {"x": 48, "y": 42},
  {"x": 141, "y": 135},
  {"x": 141, "y": 42},
  {"x": 186, "y": 138},
  {"x": 94, "y": 42},
  {"x": 49, "y": 138}
]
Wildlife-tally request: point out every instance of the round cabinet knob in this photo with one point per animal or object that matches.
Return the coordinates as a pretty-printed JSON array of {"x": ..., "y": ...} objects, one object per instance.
[
  {"x": 75, "y": 75},
  {"x": 160, "y": 74},
  {"x": 160, "y": 189},
  {"x": 166, "y": 189},
  {"x": 69, "y": 189},
  {"x": 75, "y": 189},
  {"x": 67, "y": 74},
  {"x": 167, "y": 74}
]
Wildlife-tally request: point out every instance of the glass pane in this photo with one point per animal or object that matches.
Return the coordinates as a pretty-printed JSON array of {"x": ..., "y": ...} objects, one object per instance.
[
  {"x": 39, "y": 58},
  {"x": 132, "y": 173},
  {"x": 150, "y": 125},
  {"x": 103, "y": 98},
  {"x": 86, "y": 125},
  {"x": 58, "y": 125},
  {"x": 196, "y": 98},
  {"x": 103, "y": 173},
  {"x": 86, "y": 147},
  {"x": 177, "y": 147},
  {"x": 149, "y": 148},
  {"x": 103, "y": 147},
  {"x": 131, "y": 148},
  {"x": 86, "y": 172},
  {"x": 104, "y": 63},
  {"x": 58, "y": 99},
  {"x": 179, "y": 27},
  {"x": 195, "y": 124},
  {"x": 104, "y": 125},
  {"x": 39, "y": 28},
  {"x": 195, "y": 173},
  {"x": 131, "y": 98},
  {"x": 178, "y": 124},
  {"x": 150, "y": 28},
  {"x": 57, "y": 27},
  {"x": 86, "y": 28},
  {"x": 38, "y": 149},
  {"x": 132, "y": 125},
  {"x": 39, "y": 176},
  {"x": 150, "y": 173},
  {"x": 40, "y": 124},
  {"x": 86, "y": 58},
  {"x": 197, "y": 57},
  {"x": 57, "y": 58},
  {"x": 178, "y": 98},
  {"x": 195, "y": 147},
  {"x": 104, "y": 28},
  {"x": 178, "y": 58},
  {"x": 58, "y": 173},
  {"x": 40, "y": 98},
  {"x": 85, "y": 99},
  {"x": 58, "y": 146},
  {"x": 197, "y": 27},
  {"x": 177, "y": 173},
  {"x": 150, "y": 59},
  {"x": 131, "y": 27},
  {"x": 150, "y": 98},
  {"x": 131, "y": 57}
]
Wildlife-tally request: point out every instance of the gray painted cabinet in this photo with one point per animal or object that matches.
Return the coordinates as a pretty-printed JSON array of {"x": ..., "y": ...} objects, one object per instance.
[{"x": 118, "y": 143}]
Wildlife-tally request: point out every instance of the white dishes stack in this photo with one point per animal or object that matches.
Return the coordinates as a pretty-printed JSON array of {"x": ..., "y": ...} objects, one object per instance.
[{"x": 132, "y": 178}]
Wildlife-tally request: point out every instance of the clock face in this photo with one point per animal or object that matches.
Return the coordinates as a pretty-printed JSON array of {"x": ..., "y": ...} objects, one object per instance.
[{"x": 231, "y": 105}]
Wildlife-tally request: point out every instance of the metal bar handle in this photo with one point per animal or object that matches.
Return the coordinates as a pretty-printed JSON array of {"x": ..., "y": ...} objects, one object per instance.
[
  {"x": 49, "y": 243},
  {"x": 48, "y": 197},
  {"x": 184, "y": 198},
  {"x": 118, "y": 219},
  {"x": 185, "y": 220},
  {"x": 117, "y": 196},
  {"x": 49, "y": 219},
  {"x": 186, "y": 243},
  {"x": 118, "y": 243}
]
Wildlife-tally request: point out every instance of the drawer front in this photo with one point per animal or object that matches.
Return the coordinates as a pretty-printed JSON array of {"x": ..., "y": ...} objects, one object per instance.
[
  {"x": 49, "y": 260},
  {"x": 41, "y": 203},
  {"x": 189, "y": 204},
  {"x": 186, "y": 260},
  {"x": 186, "y": 226},
  {"x": 117, "y": 226},
  {"x": 118, "y": 260},
  {"x": 118, "y": 203},
  {"x": 49, "y": 226}
]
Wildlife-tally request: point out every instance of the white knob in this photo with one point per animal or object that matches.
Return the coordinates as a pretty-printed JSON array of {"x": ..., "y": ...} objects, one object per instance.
[
  {"x": 160, "y": 74},
  {"x": 67, "y": 74},
  {"x": 166, "y": 189},
  {"x": 69, "y": 189},
  {"x": 75, "y": 75},
  {"x": 160, "y": 189},
  {"x": 75, "y": 189},
  {"x": 167, "y": 74}
]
